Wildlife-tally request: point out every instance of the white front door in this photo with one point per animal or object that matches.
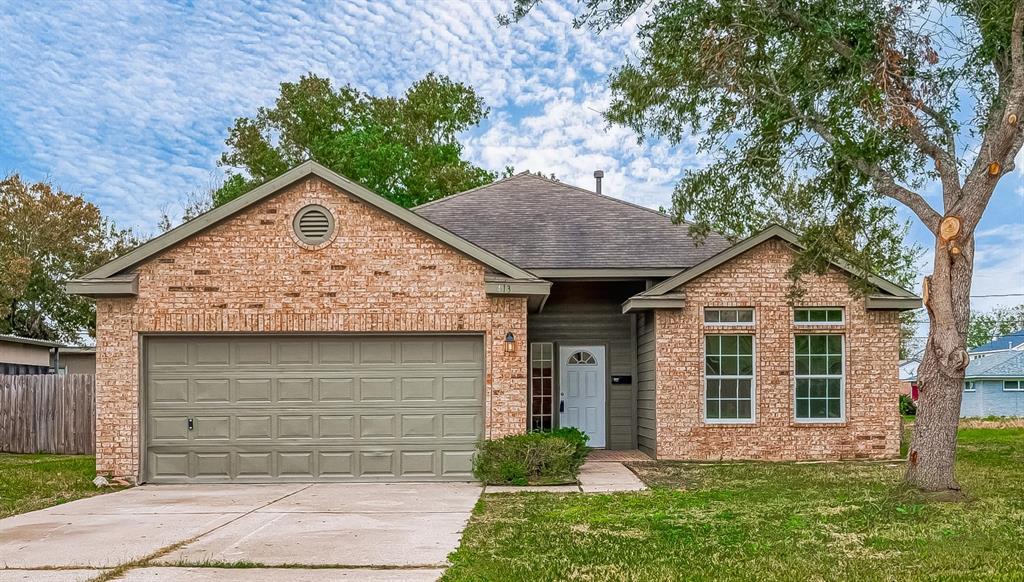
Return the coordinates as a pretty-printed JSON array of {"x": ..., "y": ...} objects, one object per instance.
[{"x": 582, "y": 391}]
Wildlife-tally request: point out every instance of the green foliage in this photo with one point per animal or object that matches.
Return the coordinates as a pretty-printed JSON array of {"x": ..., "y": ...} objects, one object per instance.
[
  {"x": 404, "y": 148},
  {"x": 985, "y": 327},
  {"x": 907, "y": 406},
  {"x": 543, "y": 458},
  {"x": 47, "y": 237}
]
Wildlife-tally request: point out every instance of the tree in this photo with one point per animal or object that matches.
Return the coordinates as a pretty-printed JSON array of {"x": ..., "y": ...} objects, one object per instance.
[
  {"x": 864, "y": 103},
  {"x": 47, "y": 237},
  {"x": 985, "y": 327},
  {"x": 404, "y": 148}
]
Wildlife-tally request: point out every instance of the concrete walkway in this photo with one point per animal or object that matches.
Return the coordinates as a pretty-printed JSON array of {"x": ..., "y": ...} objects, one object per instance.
[
  {"x": 595, "y": 477},
  {"x": 355, "y": 531}
]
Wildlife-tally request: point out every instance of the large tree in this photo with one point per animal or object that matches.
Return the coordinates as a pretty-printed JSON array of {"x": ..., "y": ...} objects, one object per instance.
[
  {"x": 865, "y": 103},
  {"x": 47, "y": 237},
  {"x": 404, "y": 148}
]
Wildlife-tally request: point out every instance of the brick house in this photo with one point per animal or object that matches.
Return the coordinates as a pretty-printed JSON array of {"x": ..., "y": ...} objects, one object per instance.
[{"x": 312, "y": 330}]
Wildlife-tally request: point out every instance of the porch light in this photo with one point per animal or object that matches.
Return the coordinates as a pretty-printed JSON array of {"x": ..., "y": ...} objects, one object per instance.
[{"x": 510, "y": 342}]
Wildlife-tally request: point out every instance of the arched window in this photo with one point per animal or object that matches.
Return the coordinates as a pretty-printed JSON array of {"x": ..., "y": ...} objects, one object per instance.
[{"x": 582, "y": 357}]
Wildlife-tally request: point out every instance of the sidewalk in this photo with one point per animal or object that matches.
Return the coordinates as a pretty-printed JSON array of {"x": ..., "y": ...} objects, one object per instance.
[{"x": 595, "y": 477}]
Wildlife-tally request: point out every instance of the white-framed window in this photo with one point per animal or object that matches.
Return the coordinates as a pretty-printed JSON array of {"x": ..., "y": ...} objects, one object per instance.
[
  {"x": 729, "y": 391},
  {"x": 969, "y": 386},
  {"x": 1013, "y": 385},
  {"x": 818, "y": 315},
  {"x": 542, "y": 391},
  {"x": 820, "y": 379},
  {"x": 728, "y": 316}
]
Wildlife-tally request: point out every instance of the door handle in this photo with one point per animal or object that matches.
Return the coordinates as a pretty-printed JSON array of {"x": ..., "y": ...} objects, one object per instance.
[
  {"x": 561, "y": 406},
  {"x": 191, "y": 424}
]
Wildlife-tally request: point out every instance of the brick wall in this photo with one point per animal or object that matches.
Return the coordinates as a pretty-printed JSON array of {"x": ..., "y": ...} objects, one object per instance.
[
  {"x": 757, "y": 279},
  {"x": 250, "y": 274}
]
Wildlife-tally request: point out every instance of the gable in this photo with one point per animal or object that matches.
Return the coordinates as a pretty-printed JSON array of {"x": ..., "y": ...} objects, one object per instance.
[{"x": 114, "y": 278}]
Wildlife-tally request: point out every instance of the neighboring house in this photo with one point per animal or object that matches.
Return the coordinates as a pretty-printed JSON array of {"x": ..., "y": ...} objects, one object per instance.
[
  {"x": 994, "y": 385},
  {"x": 78, "y": 360},
  {"x": 312, "y": 330},
  {"x": 22, "y": 355},
  {"x": 1009, "y": 342},
  {"x": 908, "y": 377}
]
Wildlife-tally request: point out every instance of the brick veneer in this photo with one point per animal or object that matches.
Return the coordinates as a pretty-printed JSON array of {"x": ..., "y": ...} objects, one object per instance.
[
  {"x": 757, "y": 279},
  {"x": 249, "y": 274}
]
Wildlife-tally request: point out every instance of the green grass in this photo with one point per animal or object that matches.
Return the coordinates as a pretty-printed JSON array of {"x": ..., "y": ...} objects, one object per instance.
[
  {"x": 762, "y": 521},
  {"x": 30, "y": 482}
]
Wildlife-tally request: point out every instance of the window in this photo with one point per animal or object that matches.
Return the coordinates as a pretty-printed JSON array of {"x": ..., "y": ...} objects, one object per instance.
[
  {"x": 541, "y": 386},
  {"x": 969, "y": 387},
  {"x": 1013, "y": 385},
  {"x": 818, "y": 316},
  {"x": 718, "y": 316},
  {"x": 819, "y": 377},
  {"x": 582, "y": 357},
  {"x": 729, "y": 378}
]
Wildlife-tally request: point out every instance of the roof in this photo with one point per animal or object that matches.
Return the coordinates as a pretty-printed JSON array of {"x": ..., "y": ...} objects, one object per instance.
[
  {"x": 110, "y": 279},
  {"x": 1006, "y": 342},
  {"x": 997, "y": 365},
  {"x": 891, "y": 296},
  {"x": 542, "y": 224},
  {"x": 15, "y": 339}
]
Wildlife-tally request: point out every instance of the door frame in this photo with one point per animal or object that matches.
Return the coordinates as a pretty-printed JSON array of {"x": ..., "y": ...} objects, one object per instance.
[{"x": 569, "y": 346}]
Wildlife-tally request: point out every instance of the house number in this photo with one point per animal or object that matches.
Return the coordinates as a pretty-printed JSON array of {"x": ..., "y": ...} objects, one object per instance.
[{"x": 504, "y": 288}]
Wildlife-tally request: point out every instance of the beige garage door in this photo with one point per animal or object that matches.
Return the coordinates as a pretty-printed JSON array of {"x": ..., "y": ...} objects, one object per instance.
[{"x": 332, "y": 408}]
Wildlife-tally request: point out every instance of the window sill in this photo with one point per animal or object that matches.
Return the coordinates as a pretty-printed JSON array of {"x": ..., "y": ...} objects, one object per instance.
[
  {"x": 707, "y": 422},
  {"x": 818, "y": 423}
]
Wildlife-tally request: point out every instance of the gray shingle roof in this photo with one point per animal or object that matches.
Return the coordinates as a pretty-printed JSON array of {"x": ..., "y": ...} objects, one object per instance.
[
  {"x": 998, "y": 365},
  {"x": 538, "y": 223}
]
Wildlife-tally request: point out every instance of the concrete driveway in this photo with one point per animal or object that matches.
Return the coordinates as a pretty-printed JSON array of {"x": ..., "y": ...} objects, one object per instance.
[{"x": 171, "y": 532}]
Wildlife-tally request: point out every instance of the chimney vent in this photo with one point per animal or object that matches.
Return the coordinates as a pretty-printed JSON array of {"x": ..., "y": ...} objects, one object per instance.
[{"x": 598, "y": 174}]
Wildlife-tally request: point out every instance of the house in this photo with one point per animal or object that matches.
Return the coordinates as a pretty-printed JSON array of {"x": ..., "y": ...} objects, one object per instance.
[
  {"x": 908, "y": 377},
  {"x": 994, "y": 385},
  {"x": 312, "y": 330},
  {"x": 22, "y": 355},
  {"x": 78, "y": 360},
  {"x": 1012, "y": 341}
]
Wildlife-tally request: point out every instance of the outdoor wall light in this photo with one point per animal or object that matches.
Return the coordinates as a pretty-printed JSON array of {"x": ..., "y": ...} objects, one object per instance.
[{"x": 510, "y": 342}]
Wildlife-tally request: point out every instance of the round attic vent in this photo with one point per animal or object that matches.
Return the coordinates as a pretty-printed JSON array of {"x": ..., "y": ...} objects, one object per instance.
[{"x": 313, "y": 224}]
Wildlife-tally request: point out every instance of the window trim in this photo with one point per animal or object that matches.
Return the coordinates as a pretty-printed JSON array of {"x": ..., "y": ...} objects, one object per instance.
[
  {"x": 842, "y": 383},
  {"x": 753, "y": 382},
  {"x": 841, "y": 322},
  {"x": 530, "y": 394},
  {"x": 751, "y": 323},
  {"x": 969, "y": 386},
  {"x": 1019, "y": 388}
]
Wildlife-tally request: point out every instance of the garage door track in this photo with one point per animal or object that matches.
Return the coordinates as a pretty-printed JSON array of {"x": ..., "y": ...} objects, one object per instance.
[{"x": 393, "y": 531}]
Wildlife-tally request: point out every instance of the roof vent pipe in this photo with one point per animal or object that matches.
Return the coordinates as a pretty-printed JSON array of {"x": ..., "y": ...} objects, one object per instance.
[{"x": 598, "y": 174}]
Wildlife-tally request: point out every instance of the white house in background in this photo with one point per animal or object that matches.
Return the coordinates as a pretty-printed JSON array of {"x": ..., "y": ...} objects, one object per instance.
[{"x": 1009, "y": 342}]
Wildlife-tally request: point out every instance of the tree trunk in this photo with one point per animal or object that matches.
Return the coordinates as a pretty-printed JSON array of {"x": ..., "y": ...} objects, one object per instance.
[{"x": 930, "y": 466}]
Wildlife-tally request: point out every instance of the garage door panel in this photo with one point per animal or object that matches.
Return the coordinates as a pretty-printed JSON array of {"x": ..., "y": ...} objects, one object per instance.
[{"x": 312, "y": 408}]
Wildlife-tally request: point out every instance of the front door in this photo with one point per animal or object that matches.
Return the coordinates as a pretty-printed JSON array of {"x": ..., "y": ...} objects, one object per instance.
[{"x": 582, "y": 391}]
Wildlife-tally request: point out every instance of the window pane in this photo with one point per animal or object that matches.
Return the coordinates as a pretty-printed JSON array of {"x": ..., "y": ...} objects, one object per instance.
[
  {"x": 728, "y": 388},
  {"x": 803, "y": 365},
  {"x": 745, "y": 344},
  {"x": 835, "y": 365},
  {"x": 729, "y": 409},
  {"x": 819, "y": 344},
  {"x": 803, "y": 408},
  {"x": 743, "y": 388},
  {"x": 728, "y": 316},
  {"x": 713, "y": 410},
  {"x": 835, "y": 315},
  {"x": 818, "y": 315},
  {"x": 818, "y": 408},
  {"x": 729, "y": 344},
  {"x": 714, "y": 388},
  {"x": 802, "y": 344},
  {"x": 800, "y": 315},
  {"x": 833, "y": 408},
  {"x": 834, "y": 344},
  {"x": 803, "y": 388},
  {"x": 744, "y": 409},
  {"x": 729, "y": 366},
  {"x": 711, "y": 315},
  {"x": 712, "y": 345},
  {"x": 818, "y": 388},
  {"x": 746, "y": 316},
  {"x": 713, "y": 366},
  {"x": 746, "y": 366},
  {"x": 819, "y": 365}
]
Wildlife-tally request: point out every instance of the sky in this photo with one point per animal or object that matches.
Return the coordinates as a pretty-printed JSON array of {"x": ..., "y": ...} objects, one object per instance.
[{"x": 129, "y": 103}]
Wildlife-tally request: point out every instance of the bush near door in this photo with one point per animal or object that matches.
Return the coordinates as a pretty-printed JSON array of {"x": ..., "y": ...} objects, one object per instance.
[{"x": 536, "y": 458}]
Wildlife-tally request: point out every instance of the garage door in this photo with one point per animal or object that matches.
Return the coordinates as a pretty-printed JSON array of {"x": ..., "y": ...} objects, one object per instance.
[{"x": 335, "y": 408}]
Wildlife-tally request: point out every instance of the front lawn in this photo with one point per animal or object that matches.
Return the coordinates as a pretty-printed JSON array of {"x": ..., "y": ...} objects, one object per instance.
[
  {"x": 30, "y": 482},
  {"x": 760, "y": 521}
]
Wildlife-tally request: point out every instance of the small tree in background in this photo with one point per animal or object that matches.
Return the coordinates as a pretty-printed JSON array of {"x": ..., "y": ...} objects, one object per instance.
[
  {"x": 47, "y": 237},
  {"x": 404, "y": 148},
  {"x": 863, "y": 103},
  {"x": 987, "y": 326}
]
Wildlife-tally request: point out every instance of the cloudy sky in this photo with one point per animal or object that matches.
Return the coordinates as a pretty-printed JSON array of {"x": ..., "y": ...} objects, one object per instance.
[{"x": 129, "y": 103}]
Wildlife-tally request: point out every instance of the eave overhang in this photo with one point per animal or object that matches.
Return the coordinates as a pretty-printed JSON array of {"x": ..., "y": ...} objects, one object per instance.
[
  {"x": 643, "y": 303},
  {"x": 116, "y": 286}
]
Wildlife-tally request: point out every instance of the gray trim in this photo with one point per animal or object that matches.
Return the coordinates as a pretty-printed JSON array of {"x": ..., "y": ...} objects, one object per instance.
[
  {"x": 612, "y": 274},
  {"x": 753, "y": 241},
  {"x": 306, "y": 210},
  {"x": 887, "y": 302},
  {"x": 106, "y": 287},
  {"x": 641, "y": 302},
  {"x": 208, "y": 219},
  {"x": 516, "y": 287},
  {"x": 16, "y": 339}
]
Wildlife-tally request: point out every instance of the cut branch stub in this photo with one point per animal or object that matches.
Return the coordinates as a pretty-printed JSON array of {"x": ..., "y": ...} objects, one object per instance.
[
  {"x": 993, "y": 169},
  {"x": 1012, "y": 119},
  {"x": 949, "y": 228}
]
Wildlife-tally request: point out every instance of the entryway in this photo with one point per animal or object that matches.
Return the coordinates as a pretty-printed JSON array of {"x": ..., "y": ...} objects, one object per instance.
[{"x": 583, "y": 391}]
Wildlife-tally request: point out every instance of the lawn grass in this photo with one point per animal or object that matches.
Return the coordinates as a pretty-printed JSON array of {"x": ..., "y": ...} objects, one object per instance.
[
  {"x": 762, "y": 521},
  {"x": 30, "y": 482}
]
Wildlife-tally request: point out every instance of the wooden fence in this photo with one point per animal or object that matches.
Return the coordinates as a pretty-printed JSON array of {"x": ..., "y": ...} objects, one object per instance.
[{"x": 48, "y": 414}]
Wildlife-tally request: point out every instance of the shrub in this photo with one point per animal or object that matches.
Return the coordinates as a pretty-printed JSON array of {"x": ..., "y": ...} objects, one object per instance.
[
  {"x": 907, "y": 406},
  {"x": 540, "y": 458}
]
